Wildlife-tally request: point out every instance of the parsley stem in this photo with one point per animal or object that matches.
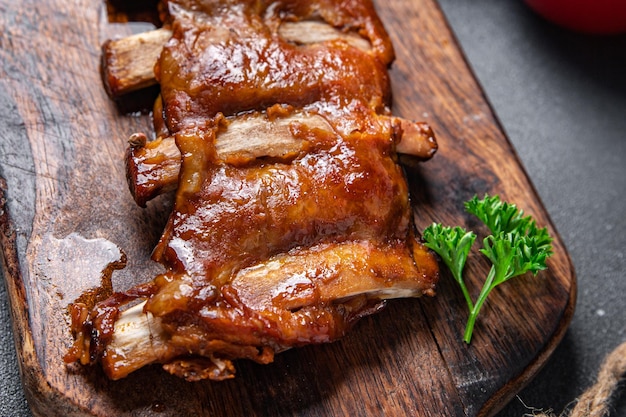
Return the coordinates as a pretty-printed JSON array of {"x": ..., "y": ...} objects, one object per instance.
[
  {"x": 466, "y": 294},
  {"x": 487, "y": 287}
]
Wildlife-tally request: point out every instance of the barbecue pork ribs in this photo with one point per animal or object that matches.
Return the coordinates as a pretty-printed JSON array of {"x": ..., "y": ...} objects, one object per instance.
[{"x": 291, "y": 217}]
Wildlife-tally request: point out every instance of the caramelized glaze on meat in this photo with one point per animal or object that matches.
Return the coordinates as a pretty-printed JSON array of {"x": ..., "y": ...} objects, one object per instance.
[
  {"x": 233, "y": 62},
  {"x": 265, "y": 253}
]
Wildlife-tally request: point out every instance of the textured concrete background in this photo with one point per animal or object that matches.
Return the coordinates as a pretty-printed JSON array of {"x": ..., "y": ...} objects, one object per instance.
[{"x": 561, "y": 98}]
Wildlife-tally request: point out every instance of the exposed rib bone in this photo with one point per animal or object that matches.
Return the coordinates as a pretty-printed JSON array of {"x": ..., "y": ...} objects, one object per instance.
[
  {"x": 138, "y": 339},
  {"x": 152, "y": 168},
  {"x": 128, "y": 63},
  {"x": 308, "y": 32}
]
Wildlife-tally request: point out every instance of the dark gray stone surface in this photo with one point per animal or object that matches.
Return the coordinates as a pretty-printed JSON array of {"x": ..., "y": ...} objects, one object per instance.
[{"x": 561, "y": 98}]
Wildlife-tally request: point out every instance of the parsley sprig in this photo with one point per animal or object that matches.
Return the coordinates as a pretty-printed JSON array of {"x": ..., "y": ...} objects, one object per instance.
[{"x": 516, "y": 246}]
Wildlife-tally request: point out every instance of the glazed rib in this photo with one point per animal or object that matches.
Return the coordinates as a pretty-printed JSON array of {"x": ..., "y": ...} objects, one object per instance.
[
  {"x": 128, "y": 63},
  {"x": 153, "y": 167},
  {"x": 140, "y": 338}
]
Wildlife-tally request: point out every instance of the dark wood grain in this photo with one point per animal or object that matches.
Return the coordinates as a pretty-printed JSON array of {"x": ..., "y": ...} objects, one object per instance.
[{"x": 66, "y": 220}]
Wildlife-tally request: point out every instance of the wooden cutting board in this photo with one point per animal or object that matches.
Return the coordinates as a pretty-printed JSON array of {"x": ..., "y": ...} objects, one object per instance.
[{"x": 67, "y": 220}]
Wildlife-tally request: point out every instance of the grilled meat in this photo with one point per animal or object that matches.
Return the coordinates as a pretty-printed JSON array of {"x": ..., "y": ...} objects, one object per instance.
[{"x": 291, "y": 217}]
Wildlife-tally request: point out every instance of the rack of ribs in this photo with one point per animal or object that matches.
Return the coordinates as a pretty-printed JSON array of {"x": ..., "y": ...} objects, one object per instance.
[{"x": 291, "y": 217}]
